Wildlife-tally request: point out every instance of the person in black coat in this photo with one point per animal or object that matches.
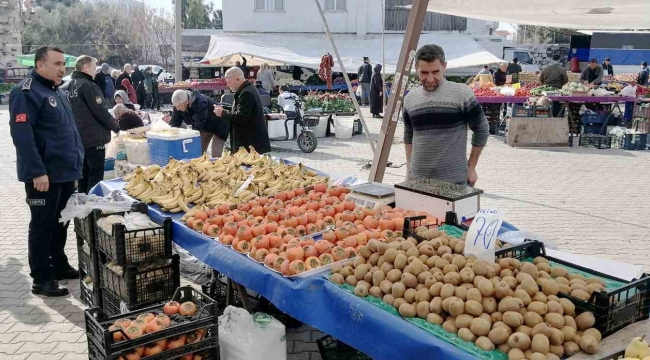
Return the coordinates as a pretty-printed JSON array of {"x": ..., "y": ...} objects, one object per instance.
[
  {"x": 500, "y": 74},
  {"x": 247, "y": 122},
  {"x": 126, "y": 74},
  {"x": 607, "y": 67},
  {"x": 377, "y": 93},
  {"x": 365, "y": 76},
  {"x": 93, "y": 120},
  {"x": 155, "y": 104},
  {"x": 137, "y": 78}
]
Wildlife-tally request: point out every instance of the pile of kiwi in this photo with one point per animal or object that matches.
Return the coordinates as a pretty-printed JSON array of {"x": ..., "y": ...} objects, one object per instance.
[
  {"x": 438, "y": 238},
  {"x": 510, "y": 305}
]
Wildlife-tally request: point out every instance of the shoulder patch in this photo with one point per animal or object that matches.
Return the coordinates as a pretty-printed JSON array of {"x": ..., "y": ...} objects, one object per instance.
[
  {"x": 27, "y": 84},
  {"x": 98, "y": 100}
]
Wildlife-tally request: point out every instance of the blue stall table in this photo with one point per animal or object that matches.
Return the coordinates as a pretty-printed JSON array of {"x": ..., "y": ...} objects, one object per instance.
[{"x": 314, "y": 300}]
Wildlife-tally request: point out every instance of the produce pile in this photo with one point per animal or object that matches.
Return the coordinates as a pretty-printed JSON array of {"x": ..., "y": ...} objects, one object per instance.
[
  {"x": 539, "y": 90},
  {"x": 201, "y": 181},
  {"x": 329, "y": 102},
  {"x": 148, "y": 323},
  {"x": 637, "y": 349},
  {"x": 510, "y": 305},
  {"x": 194, "y": 83},
  {"x": 289, "y": 82},
  {"x": 486, "y": 91},
  {"x": 625, "y": 77},
  {"x": 574, "y": 87}
]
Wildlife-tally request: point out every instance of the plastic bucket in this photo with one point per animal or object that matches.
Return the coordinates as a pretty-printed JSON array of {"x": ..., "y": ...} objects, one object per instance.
[
  {"x": 320, "y": 130},
  {"x": 344, "y": 126}
]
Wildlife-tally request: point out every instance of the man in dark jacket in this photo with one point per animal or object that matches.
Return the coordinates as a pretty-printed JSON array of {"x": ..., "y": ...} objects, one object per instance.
[
  {"x": 554, "y": 74},
  {"x": 365, "y": 76},
  {"x": 105, "y": 82},
  {"x": 195, "y": 109},
  {"x": 247, "y": 123},
  {"x": 643, "y": 75},
  {"x": 139, "y": 85},
  {"x": 49, "y": 159},
  {"x": 242, "y": 66},
  {"x": 155, "y": 104},
  {"x": 514, "y": 69},
  {"x": 607, "y": 67},
  {"x": 185, "y": 73},
  {"x": 592, "y": 74},
  {"x": 93, "y": 120},
  {"x": 126, "y": 74}
]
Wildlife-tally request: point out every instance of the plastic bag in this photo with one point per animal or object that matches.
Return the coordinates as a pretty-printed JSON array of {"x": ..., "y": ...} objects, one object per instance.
[
  {"x": 81, "y": 205},
  {"x": 115, "y": 149},
  {"x": 243, "y": 336},
  {"x": 138, "y": 221},
  {"x": 507, "y": 91},
  {"x": 629, "y": 91},
  {"x": 191, "y": 267},
  {"x": 160, "y": 126},
  {"x": 518, "y": 237}
]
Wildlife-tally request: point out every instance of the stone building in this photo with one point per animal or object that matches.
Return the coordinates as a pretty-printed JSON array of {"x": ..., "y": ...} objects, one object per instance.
[{"x": 10, "y": 25}]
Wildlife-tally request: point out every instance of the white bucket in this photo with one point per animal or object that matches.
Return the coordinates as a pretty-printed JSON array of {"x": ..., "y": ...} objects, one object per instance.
[
  {"x": 344, "y": 126},
  {"x": 277, "y": 131},
  {"x": 320, "y": 131}
]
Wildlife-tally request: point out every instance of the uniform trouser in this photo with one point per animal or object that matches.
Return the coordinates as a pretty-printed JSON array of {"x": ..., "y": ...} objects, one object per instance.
[
  {"x": 155, "y": 101},
  {"x": 47, "y": 236},
  {"x": 141, "y": 94},
  {"x": 93, "y": 170},
  {"x": 217, "y": 143},
  {"x": 365, "y": 93}
]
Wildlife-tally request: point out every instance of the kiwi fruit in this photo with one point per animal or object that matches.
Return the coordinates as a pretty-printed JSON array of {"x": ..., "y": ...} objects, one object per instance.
[
  {"x": 409, "y": 280},
  {"x": 484, "y": 343},
  {"x": 570, "y": 348},
  {"x": 542, "y": 328},
  {"x": 360, "y": 291},
  {"x": 400, "y": 261},
  {"x": 466, "y": 334},
  {"x": 555, "y": 320},
  {"x": 452, "y": 278},
  {"x": 434, "y": 290},
  {"x": 447, "y": 290},
  {"x": 376, "y": 292},
  {"x": 435, "y": 319},
  {"x": 480, "y": 327},
  {"x": 519, "y": 340},
  {"x": 516, "y": 354},
  {"x": 487, "y": 318},
  {"x": 585, "y": 320},
  {"x": 409, "y": 295},
  {"x": 337, "y": 278},
  {"x": 499, "y": 335},
  {"x": 474, "y": 294},
  {"x": 473, "y": 307},
  {"x": 398, "y": 290},
  {"x": 594, "y": 333},
  {"x": 435, "y": 306},
  {"x": 570, "y": 322},
  {"x": 422, "y": 309},
  {"x": 513, "y": 319},
  {"x": 449, "y": 326},
  {"x": 386, "y": 286},
  {"x": 526, "y": 330},
  {"x": 589, "y": 344},
  {"x": 538, "y": 307},
  {"x": 489, "y": 305},
  {"x": 351, "y": 280},
  {"x": 378, "y": 277},
  {"x": 463, "y": 320},
  {"x": 407, "y": 310},
  {"x": 346, "y": 271},
  {"x": 456, "y": 306},
  {"x": 423, "y": 295}
]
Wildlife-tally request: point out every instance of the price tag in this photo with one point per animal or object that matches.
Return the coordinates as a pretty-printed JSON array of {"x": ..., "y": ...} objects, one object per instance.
[{"x": 482, "y": 235}]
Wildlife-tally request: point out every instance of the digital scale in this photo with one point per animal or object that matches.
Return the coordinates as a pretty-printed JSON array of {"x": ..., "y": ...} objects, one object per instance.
[
  {"x": 371, "y": 195},
  {"x": 438, "y": 197}
]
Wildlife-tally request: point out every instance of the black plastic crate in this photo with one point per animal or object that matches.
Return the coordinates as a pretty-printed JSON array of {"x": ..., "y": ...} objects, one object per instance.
[
  {"x": 86, "y": 229},
  {"x": 111, "y": 304},
  {"x": 521, "y": 110},
  {"x": 88, "y": 261},
  {"x": 542, "y": 111},
  {"x": 612, "y": 309},
  {"x": 90, "y": 297},
  {"x": 102, "y": 346},
  {"x": 595, "y": 140},
  {"x": 619, "y": 355},
  {"x": 414, "y": 222},
  {"x": 138, "y": 287},
  {"x": 136, "y": 246},
  {"x": 332, "y": 349}
]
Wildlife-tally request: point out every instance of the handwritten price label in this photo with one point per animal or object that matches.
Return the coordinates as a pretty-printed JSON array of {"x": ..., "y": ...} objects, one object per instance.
[{"x": 482, "y": 234}]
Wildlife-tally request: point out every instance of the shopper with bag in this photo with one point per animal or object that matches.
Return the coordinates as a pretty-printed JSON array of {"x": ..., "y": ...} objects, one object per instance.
[
  {"x": 49, "y": 159},
  {"x": 365, "y": 76},
  {"x": 94, "y": 121}
]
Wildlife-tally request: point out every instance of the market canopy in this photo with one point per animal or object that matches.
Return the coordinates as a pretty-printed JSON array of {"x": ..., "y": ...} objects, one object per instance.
[
  {"x": 251, "y": 60},
  {"x": 306, "y": 50},
  {"x": 28, "y": 60},
  {"x": 572, "y": 14}
]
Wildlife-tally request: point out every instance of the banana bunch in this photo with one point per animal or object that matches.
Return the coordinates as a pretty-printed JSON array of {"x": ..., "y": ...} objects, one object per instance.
[
  {"x": 251, "y": 157},
  {"x": 149, "y": 173}
]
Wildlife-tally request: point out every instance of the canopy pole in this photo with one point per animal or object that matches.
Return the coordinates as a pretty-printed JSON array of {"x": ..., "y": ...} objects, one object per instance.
[
  {"x": 178, "y": 53},
  {"x": 345, "y": 74},
  {"x": 405, "y": 60},
  {"x": 383, "y": 47}
]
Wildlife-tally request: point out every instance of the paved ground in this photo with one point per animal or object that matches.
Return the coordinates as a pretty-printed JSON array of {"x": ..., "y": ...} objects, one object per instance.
[{"x": 589, "y": 201}]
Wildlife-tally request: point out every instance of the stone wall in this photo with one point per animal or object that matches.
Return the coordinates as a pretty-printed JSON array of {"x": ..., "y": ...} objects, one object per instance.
[
  {"x": 10, "y": 26},
  {"x": 543, "y": 53}
]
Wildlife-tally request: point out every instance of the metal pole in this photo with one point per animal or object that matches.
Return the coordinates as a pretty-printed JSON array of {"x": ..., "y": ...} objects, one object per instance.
[
  {"x": 383, "y": 46},
  {"x": 178, "y": 54},
  {"x": 345, "y": 74},
  {"x": 404, "y": 63}
]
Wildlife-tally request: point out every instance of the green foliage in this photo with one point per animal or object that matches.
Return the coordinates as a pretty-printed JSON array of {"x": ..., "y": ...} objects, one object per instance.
[{"x": 5, "y": 87}]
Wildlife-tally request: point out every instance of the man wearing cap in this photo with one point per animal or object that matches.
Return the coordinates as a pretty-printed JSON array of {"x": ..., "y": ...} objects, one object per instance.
[
  {"x": 607, "y": 67},
  {"x": 49, "y": 159},
  {"x": 105, "y": 82}
]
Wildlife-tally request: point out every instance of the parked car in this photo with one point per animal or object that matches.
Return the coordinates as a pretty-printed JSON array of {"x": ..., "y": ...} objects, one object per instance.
[{"x": 13, "y": 75}]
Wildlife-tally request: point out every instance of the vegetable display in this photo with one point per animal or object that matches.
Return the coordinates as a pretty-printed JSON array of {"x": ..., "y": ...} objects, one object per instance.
[
  {"x": 329, "y": 102},
  {"x": 510, "y": 305},
  {"x": 486, "y": 91},
  {"x": 537, "y": 91},
  {"x": 194, "y": 83}
]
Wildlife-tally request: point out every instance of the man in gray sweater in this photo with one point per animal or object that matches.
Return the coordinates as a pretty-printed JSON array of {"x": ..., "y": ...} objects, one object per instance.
[{"x": 436, "y": 118}]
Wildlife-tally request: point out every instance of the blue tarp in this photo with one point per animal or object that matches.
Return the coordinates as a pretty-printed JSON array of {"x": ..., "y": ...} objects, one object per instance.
[
  {"x": 620, "y": 56},
  {"x": 314, "y": 301}
]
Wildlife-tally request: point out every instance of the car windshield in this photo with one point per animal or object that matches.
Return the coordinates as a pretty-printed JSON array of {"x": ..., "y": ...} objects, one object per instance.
[{"x": 523, "y": 57}]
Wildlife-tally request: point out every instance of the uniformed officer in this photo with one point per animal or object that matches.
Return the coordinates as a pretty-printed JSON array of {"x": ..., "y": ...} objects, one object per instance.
[
  {"x": 94, "y": 122},
  {"x": 49, "y": 158}
]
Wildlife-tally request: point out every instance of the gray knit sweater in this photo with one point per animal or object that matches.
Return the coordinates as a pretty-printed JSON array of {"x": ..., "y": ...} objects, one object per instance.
[{"x": 436, "y": 123}]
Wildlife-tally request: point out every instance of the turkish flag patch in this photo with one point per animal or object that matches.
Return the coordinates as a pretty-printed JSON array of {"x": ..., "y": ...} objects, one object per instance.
[{"x": 21, "y": 118}]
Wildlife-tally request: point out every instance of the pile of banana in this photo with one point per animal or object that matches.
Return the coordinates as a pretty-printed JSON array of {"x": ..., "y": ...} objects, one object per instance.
[{"x": 212, "y": 183}]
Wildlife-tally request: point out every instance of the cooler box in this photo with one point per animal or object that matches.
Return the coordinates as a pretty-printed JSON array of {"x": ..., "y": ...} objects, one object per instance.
[{"x": 181, "y": 144}]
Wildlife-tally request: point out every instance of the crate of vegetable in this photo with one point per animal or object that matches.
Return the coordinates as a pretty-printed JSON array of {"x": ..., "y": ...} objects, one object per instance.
[
  {"x": 184, "y": 328},
  {"x": 615, "y": 303},
  {"x": 141, "y": 284},
  {"x": 127, "y": 247}
]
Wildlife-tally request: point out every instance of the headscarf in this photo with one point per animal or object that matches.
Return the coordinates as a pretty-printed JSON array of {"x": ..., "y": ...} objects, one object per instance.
[
  {"x": 123, "y": 95},
  {"x": 119, "y": 110},
  {"x": 378, "y": 68}
]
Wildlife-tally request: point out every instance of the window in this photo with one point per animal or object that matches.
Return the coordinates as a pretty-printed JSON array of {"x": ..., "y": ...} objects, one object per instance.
[
  {"x": 523, "y": 57},
  {"x": 269, "y": 5},
  {"x": 335, "y": 5}
]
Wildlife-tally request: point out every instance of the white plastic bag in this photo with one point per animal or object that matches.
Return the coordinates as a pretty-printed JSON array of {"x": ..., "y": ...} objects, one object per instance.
[
  {"x": 243, "y": 336},
  {"x": 508, "y": 91},
  {"x": 81, "y": 205},
  {"x": 629, "y": 91},
  {"x": 160, "y": 126},
  {"x": 359, "y": 91},
  {"x": 116, "y": 146}
]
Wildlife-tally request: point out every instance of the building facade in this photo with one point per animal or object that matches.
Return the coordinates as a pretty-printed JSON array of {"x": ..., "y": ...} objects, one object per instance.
[
  {"x": 10, "y": 25},
  {"x": 358, "y": 17}
]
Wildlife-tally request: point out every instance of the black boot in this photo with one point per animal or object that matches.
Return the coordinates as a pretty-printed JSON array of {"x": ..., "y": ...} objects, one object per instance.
[
  {"x": 69, "y": 273},
  {"x": 50, "y": 288}
]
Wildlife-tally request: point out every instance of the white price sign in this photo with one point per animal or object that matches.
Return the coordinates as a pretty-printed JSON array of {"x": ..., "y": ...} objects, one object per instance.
[{"x": 482, "y": 234}]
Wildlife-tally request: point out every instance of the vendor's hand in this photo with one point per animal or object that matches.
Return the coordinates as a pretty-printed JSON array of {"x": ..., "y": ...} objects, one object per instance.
[
  {"x": 42, "y": 183},
  {"x": 472, "y": 177},
  {"x": 218, "y": 110}
]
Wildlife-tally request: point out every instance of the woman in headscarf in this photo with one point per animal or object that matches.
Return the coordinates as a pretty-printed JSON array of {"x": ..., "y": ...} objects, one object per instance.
[
  {"x": 133, "y": 97},
  {"x": 121, "y": 98},
  {"x": 126, "y": 118},
  {"x": 376, "y": 92}
]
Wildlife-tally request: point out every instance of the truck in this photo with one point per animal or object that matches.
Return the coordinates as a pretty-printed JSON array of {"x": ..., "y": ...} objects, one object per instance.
[
  {"x": 625, "y": 49},
  {"x": 499, "y": 47}
]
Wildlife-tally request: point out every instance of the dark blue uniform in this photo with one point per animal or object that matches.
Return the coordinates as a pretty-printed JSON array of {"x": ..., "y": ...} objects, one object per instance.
[{"x": 47, "y": 143}]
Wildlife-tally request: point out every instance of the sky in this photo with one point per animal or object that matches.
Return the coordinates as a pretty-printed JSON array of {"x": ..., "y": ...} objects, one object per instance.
[{"x": 167, "y": 4}]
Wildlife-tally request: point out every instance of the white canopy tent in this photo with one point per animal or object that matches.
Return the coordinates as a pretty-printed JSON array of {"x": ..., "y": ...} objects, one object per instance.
[
  {"x": 306, "y": 50},
  {"x": 571, "y": 14}
]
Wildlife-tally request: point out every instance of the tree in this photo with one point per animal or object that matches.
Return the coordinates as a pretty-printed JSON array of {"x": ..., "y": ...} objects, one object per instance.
[
  {"x": 542, "y": 35},
  {"x": 196, "y": 15}
]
